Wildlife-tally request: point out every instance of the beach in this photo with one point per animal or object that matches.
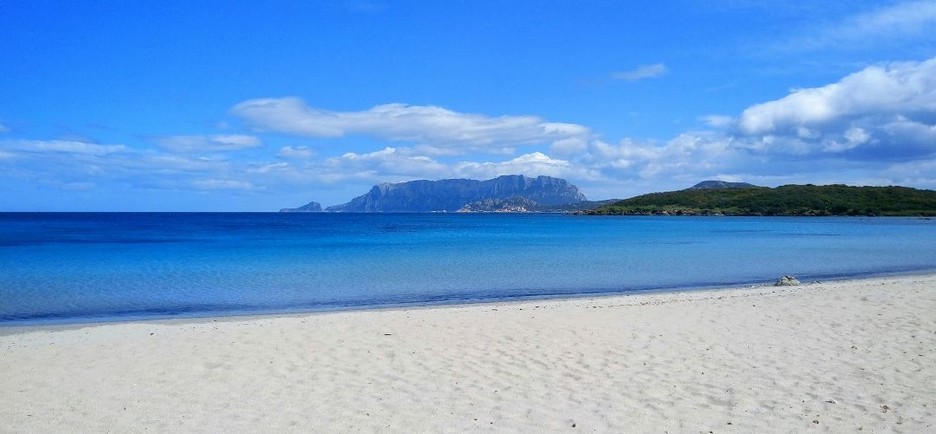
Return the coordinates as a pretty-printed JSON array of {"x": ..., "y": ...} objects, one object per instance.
[{"x": 837, "y": 356}]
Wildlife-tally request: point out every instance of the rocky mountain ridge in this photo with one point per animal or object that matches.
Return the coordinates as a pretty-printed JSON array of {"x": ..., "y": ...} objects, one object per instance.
[
  {"x": 451, "y": 195},
  {"x": 508, "y": 193}
]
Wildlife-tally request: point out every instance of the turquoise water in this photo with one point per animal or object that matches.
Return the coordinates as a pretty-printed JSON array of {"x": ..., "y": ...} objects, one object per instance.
[{"x": 105, "y": 266}]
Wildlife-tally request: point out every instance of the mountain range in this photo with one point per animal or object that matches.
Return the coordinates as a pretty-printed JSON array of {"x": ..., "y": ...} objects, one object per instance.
[
  {"x": 518, "y": 193},
  {"x": 510, "y": 193}
]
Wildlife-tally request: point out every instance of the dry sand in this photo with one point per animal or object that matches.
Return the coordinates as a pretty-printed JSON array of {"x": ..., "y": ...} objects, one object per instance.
[{"x": 837, "y": 357}]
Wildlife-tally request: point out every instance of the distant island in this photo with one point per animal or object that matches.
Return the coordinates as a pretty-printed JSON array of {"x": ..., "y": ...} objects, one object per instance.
[
  {"x": 522, "y": 194},
  {"x": 722, "y": 198},
  {"x": 508, "y": 193},
  {"x": 309, "y": 207}
]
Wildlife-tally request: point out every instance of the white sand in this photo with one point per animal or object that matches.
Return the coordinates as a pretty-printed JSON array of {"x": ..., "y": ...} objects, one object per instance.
[{"x": 839, "y": 357}]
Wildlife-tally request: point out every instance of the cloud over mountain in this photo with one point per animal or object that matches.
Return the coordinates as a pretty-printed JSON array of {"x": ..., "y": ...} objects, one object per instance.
[
  {"x": 422, "y": 125},
  {"x": 876, "y": 125}
]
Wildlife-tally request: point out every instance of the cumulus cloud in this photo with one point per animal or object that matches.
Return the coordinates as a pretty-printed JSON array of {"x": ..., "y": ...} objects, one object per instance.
[
  {"x": 690, "y": 154},
  {"x": 533, "y": 164},
  {"x": 434, "y": 126},
  {"x": 209, "y": 143},
  {"x": 875, "y": 126},
  {"x": 888, "y": 108},
  {"x": 641, "y": 72},
  {"x": 388, "y": 161},
  {"x": 905, "y": 87}
]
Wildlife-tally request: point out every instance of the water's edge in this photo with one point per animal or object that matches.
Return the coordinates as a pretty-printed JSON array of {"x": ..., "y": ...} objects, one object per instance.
[
  {"x": 200, "y": 314},
  {"x": 78, "y": 268}
]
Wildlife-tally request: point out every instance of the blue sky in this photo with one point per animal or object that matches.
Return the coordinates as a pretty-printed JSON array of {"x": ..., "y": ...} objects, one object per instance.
[{"x": 254, "y": 106}]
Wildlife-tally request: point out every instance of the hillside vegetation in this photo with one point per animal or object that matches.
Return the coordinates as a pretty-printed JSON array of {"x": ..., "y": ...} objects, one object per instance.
[{"x": 787, "y": 200}]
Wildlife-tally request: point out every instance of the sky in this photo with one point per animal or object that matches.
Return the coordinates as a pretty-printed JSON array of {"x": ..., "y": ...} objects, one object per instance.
[{"x": 255, "y": 106}]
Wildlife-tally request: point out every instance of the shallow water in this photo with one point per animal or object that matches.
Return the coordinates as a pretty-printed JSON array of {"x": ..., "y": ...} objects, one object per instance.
[{"x": 104, "y": 266}]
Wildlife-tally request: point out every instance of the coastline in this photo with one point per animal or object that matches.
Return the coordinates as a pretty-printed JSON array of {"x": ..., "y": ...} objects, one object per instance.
[
  {"x": 837, "y": 355},
  {"x": 57, "y": 323}
]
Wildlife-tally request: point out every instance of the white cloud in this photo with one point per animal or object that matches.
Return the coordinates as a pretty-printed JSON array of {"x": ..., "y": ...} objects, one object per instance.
[
  {"x": 296, "y": 153},
  {"x": 642, "y": 72},
  {"x": 687, "y": 155},
  {"x": 62, "y": 146},
  {"x": 433, "y": 126},
  {"x": 389, "y": 161},
  {"x": 569, "y": 147},
  {"x": 852, "y": 138},
  {"x": 876, "y": 126},
  {"x": 533, "y": 164},
  {"x": 210, "y": 143},
  {"x": 717, "y": 121},
  {"x": 889, "y": 108},
  {"x": 914, "y": 131}
]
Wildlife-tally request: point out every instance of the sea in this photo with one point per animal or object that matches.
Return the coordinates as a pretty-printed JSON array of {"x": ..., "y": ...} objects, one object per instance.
[{"x": 98, "y": 267}]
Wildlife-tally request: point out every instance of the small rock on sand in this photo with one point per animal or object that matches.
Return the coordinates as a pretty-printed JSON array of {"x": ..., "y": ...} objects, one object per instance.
[{"x": 787, "y": 281}]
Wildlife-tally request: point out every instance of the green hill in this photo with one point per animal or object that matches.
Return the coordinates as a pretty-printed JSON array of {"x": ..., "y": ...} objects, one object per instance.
[{"x": 787, "y": 200}]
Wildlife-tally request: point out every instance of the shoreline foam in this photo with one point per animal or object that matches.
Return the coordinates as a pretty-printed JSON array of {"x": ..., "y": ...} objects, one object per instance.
[{"x": 839, "y": 355}]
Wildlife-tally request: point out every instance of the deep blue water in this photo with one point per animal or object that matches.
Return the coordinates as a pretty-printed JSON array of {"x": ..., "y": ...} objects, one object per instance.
[{"x": 75, "y": 267}]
